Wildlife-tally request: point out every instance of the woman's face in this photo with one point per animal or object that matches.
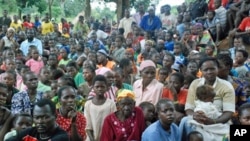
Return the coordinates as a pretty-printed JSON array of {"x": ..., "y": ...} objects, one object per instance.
[
  {"x": 67, "y": 99},
  {"x": 129, "y": 55},
  {"x": 88, "y": 75},
  {"x": 209, "y": 70},
  {"x": 209, "y": 51},
  {"x": 244, "y": 118},
  {"x": 148, "y": 74},
  {"x": 126, "y": 106}
]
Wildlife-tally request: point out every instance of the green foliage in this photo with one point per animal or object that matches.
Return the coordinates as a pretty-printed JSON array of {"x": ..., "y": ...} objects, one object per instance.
[
  {"x": 9, "y": 5},
  {"x": 41, "y": 6},
  {"x": 99, "y": 13},
  {"x": 72, "y": 8}
]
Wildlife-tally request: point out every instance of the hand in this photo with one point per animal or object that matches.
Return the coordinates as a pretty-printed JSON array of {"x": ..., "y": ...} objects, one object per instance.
[
  {"x": 72, "y": 114},
  {"x": 199, "y": 116}
]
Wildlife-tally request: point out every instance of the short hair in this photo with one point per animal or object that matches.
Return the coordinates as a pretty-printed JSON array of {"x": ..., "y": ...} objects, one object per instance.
[
  {"x": 118, "y": 70},
  {"x": 100, "y": 78},
  {"x": 59, "y": 93},
  {"x": 193, "y": 133},
  {"x": 12, "y": 72},
  {"x": 243, "y": 107},
  {"x": 69, "y": 81},
  {"x": 72, "y": 64},
  {"x": 56, "y": 74},
  {"x": 145, "y": 104},
  {"x": 44, "y": 102},
  {"x": 124, "y": 62},
  {"x": 244, "y": 53},
  {"x": 209, "y": 59},
  {"x": 204, "y": 91},
  {"x": 171, "y": 55},
  {"x": 26, "y": 74},
  {"x": 226, "y": 59},
  {"x": 162, "y": 101},
  {"x": 179, "y": 75},
  {"x": 16, "y": 116},
  {"x": 91, "y": 68}
]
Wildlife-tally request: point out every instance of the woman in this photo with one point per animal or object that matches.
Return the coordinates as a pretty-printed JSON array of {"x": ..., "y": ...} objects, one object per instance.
[
  {"x": 68, "y": 118},
  {"x": 127, "y": 123},
  {"x": 224, "y": 99},
  {"x": 147, "y": 88},
  {"x": 5, "y": 114},
  {"x": 9, "y": 40}
]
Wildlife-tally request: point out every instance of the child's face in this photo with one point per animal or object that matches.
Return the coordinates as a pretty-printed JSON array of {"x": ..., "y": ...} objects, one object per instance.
[
  {"x": 237, "y": 42},
  {"x": 10, "y": 64},
  {"x": 177, "y": 49},
  {"x": 244, "y": 118},
  {"x": 34, "y": 54},
  {"x": 239, "y": 58},
  {"x": 192, "y": 68},
  {"x": 23, "y": 122},
  {"x": 52, "y": 61},
  {"x": 9, "y": 79},
  {"x": 110, "y": 78},
  {"x": 53, "y": 88},
  {"x": 63, "y": 53},
  {"x": 100, "y": 88},
  {"x": 71, "y": 71},
  {"x": 23, "y": 71},
  {"x": 247, "y": 91},
  {"x": 210, "y": 15},
  {"x": 163, "y": 74},
  {"x": 175, "y": 82},
  {"x": 209, "y": 51},
  {"x": 129, "y": 55},
  {"x": 73, "y": 49},
  {"x": 45, "y": 74},
  {"x": 117, "y": 79},
  {"x": 149, "y": 112},
  {"x": 53, "y": 50},
  {"x": 10, "y": 54}
]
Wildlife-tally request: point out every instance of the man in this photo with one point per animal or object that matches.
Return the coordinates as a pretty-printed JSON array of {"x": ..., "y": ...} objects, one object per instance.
[
  {"x": 81, "y": 26},
  {"x": 45, "y": 127},
  {"x": 31, "y": 40},
  {"x": 16, "y": 24},
  {"x": 168, "y": 20},
  {"x": 5, "y": 20},
  {"x": 141, "y": 12},
  {"x": 37, "y": 22},
  {"x": 151, "y": 22},
  {"x": 126, "y": 22},
  {"x": 47, "y": 26},
  {"x": 100, "y": 34}
]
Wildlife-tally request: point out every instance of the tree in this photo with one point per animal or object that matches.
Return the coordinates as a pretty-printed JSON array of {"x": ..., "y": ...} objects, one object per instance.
[
  {"x": 125, "y": 4},
  {"x": 40, "y": 4},
  {"x": 50, "y": 2}
]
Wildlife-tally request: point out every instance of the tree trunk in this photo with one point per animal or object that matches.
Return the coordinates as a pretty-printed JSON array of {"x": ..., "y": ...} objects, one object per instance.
[
  {"x": 20, "y": 13},
  {"x": 87, "y": 11},
  {"x": 62, "y": 7},
  {"x": 50, "y": 2},
  {"x": 119, "y": 8}
]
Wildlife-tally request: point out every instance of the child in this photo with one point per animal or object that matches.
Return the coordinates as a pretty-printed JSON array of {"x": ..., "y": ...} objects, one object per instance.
[
  {"x": 163, "y": 75},
  {"x": 20, "y": 122},
  {"x": 47, "y": 95},
  {"x": 195, "y": 136},
  {"x": 64, "y": 51},
  {"x": 148, "y": 111},
  {"x": 35, "y": 62},
  {"x": 209, "y": 50},
  {"x": 179, "y": 58},
  {"x": 192, "y": 68},
  {"x": 204, "y": 104},
  {"x": 72, "y": 70},
  {"x": 44, "y": 80},
  {"x": 118, "y": 80},
  {"x": 73, "y": 55},
  {"x": 9, "y": 79},
  {"x": 240, "y": 58},
  {"x": 102, "y": 107}
]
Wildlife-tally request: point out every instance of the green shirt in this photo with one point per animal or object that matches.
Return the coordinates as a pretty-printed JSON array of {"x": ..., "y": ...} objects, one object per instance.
[
  {"x": 78, "y": 79},
  {"x": 42, "y": 87}
]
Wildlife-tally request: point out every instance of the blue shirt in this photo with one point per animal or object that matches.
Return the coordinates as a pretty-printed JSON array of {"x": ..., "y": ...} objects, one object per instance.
[
  {"x": 155, "y": 132},
  {"x": 25, "y": 46},
  {"x": 169, "y": 46},
  {"x": 155, "y": 25},
  {"x": 37, "y": 24}
]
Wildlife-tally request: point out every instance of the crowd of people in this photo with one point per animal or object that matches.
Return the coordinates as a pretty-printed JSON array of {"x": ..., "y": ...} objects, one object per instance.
[{"x": 147, "y": 77}]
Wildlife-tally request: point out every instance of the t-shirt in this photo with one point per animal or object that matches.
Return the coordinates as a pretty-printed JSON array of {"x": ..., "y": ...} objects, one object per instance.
[
  {"x": 245, "y": 24},
  {"x": 59, "y": 135}
]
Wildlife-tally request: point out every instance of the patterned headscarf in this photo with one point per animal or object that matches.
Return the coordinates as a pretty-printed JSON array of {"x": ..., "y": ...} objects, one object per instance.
[{"x": 124, "y": 94}]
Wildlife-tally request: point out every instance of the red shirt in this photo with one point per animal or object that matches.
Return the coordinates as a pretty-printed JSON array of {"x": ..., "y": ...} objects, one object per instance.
[
  {"x": 211, "y": 4},
  {"x": 28, "y": 25},
  {"x": 245, "y": 24},
  {"x": 181, "y": 96}
]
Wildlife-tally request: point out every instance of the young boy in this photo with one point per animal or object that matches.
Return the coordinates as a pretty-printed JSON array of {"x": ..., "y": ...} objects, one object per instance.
[{"x": 240, "y": 58}]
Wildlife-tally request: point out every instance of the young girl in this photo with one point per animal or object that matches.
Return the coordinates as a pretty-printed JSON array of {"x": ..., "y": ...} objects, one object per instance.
[
  {"x": 20, "y": 122},
  {"x": 102, "y": 107},
  {"x": 35, "y": 62},
  {"x": 148, "y": 111},
  {"x": 9, "y": 79}
]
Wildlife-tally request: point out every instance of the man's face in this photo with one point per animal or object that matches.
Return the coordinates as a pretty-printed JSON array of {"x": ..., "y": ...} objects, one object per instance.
[
  {"x": 43, "y": 119},
  {"x": 30, "y": 34}
]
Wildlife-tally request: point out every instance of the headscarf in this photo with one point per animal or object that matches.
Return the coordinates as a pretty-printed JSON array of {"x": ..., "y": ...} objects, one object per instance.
[
  {"x": 66, "y": 49},
  {"x": 146, "y": 63},
  {"x": 125, "y": 94},
  {"x": 130, "y": 50}
]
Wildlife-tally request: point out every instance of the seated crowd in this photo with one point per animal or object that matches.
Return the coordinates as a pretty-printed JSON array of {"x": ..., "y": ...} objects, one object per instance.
[{"x": 148, "y": 77}]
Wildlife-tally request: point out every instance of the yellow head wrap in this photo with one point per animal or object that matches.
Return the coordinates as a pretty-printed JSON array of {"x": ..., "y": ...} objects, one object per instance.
[{"x": 125, "y": 93}]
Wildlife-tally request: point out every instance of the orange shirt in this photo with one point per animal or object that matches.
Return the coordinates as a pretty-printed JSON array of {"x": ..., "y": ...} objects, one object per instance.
[
  {"x": 110, "y": 65},
  {"x": 181, "y": 96}
]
